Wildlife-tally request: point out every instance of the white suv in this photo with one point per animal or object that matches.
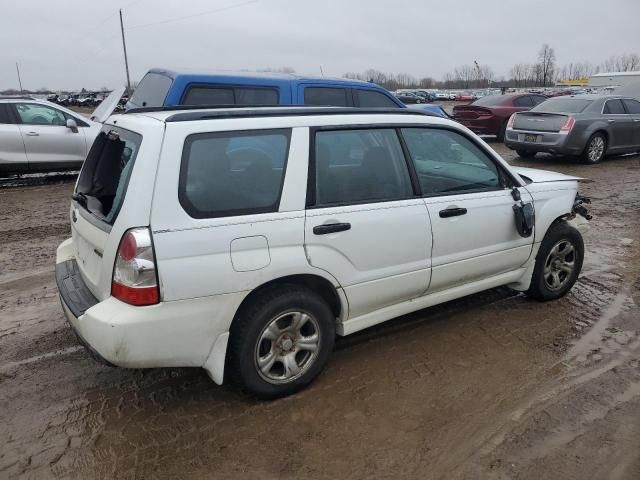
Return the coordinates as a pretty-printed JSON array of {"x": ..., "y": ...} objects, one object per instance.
[{"x": 243, "y": 240}]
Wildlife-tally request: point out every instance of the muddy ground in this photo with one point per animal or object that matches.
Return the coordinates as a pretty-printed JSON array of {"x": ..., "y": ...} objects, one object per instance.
[{"x": 492, "y": 386}]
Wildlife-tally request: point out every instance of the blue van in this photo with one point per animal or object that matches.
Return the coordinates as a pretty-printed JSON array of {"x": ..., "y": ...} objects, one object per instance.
[{"x": 168, "y": 88}]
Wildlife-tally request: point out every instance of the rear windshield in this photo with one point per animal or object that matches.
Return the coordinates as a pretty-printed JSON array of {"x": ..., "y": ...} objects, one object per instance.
[
  {"x": 563, "y": 105},
  {"x": 151, "y": 91},
  {"x": 233, "y": 173},
  {"x": 489, "y": 100},
  {"x": 105, "y": 173}
]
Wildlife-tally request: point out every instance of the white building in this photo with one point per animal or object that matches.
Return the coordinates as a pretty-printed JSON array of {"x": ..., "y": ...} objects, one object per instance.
[{"x": 614, "y": 79}]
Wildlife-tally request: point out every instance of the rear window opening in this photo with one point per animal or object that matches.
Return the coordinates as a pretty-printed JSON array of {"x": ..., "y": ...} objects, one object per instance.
[{"x": 105, "y": 174}]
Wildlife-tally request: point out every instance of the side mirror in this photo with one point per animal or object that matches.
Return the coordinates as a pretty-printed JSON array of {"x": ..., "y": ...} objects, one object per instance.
[{"x": 72, "y": 125}]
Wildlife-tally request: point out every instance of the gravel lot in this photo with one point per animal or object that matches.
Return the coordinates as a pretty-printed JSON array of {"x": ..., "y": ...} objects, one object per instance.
[{"x": 491, "y": 386}]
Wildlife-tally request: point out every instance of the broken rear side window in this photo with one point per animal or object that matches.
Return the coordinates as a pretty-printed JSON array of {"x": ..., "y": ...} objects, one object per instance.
[{"x": 105, "y": 174}]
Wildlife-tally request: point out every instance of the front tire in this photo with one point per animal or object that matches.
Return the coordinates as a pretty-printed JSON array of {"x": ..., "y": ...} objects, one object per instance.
[
  {"x": 595, "y": 148},
  {"x": 281, "y": 341},
  {"x": 558, "y": 263}
]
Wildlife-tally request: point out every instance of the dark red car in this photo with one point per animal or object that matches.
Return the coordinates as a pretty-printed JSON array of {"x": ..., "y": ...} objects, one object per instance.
[{"x": 489, "y": 115}]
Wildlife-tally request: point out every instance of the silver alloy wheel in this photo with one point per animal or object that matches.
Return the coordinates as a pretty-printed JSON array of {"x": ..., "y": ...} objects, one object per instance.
[
  {"x": 559, "y": 265},
  {"x": 287, "y": 347},
  {"x": 596, "y": 148}
]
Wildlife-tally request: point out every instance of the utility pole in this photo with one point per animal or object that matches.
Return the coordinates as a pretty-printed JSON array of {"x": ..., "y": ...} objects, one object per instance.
[
  {"x": 126, "y": 60},
  {"x": 19, "y": 79}
]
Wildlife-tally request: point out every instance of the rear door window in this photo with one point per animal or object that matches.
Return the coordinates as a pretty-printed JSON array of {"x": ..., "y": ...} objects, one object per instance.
[
  {"x": 538, "y": 99},
  {"x": 523, "y": 101},
  {"x": 326, "y": 96},
  {"x": 373, "y": 99},
  {"x": 359, "y": 166},
  {"x": 233, "y": 173},
  {"x": 227, "y": 95},
  {"x": 633, "y": 106},
  {"x": 614, "y": 107},
  {"x": 105, "y": 173},
  {"x": 151, "y": 91}
]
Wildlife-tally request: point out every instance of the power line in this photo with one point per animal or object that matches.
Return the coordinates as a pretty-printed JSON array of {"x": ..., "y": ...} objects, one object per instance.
[{"x": 199, "y": 14}]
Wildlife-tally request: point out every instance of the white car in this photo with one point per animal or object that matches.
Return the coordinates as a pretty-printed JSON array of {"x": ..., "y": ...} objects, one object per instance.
[
  {"x": 244, "y": 240},
  {"x": 37, "y": 135}
]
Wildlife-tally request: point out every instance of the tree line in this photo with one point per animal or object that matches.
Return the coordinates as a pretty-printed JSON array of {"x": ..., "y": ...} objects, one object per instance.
[{"x": 544, "y": 72}]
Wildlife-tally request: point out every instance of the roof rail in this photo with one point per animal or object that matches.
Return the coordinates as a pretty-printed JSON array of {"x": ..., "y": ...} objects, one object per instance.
[
  {"x": 171, "y": 108},
  {"x": 221, "y": 113},
  {"x": 16, "y": 97}
]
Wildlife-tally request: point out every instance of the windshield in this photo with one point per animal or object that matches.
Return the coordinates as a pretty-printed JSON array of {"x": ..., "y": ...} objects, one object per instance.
[
  {"x": 489, "y": 100},
  {"x": 563, "y": 105},
  {"x": 105, "y": 173}
]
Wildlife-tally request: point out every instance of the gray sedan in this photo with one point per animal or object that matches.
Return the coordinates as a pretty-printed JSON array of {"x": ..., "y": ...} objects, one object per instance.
[{"x": 590, "y": 126}]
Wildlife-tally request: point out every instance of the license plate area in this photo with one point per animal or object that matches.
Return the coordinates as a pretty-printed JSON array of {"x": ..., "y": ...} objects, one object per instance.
[{"x": 530, "y": 137}]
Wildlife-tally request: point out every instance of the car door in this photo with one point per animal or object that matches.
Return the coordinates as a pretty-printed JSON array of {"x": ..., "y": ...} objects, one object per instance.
[
  {"x": 633, "y": 109},
  {"x": 468, "y": 196},
  {"x": 620, "y": 124},
  {"x": 365, "y": 224},
  {"x": 12, "y": 154},
  {"x": 47, "y": 140}
]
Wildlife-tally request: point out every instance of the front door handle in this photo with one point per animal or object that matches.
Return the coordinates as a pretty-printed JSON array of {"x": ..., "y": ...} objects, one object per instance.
[
  {"x": 452, "y": 212},
  {"x": 611, "y": 120},
  {"x": 331, "y": 228},
  {"x": 32, "y": 134}
]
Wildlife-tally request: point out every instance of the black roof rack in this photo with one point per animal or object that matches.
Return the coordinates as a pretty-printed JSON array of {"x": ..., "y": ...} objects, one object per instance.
[{"x": 244, "y": 111}]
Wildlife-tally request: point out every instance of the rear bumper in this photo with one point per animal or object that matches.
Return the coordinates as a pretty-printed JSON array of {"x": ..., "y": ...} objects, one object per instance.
[
  {"x": 170, "y": 334},
  {"x": 549, "y": 142}
]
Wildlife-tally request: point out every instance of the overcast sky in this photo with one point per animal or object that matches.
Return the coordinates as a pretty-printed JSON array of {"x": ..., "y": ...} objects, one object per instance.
[{"x": 69, "y": 44}]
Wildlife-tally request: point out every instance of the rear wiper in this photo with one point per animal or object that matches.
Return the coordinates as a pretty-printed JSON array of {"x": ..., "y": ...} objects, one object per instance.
[{"x": 80, "y": 197}]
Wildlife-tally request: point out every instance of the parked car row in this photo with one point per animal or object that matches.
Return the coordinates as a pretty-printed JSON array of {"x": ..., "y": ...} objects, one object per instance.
[{"x": 76, "y": 100}]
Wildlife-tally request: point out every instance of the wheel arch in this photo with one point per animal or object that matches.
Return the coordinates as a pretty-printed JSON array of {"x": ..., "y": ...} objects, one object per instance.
[{"x": 315, "y": 283}]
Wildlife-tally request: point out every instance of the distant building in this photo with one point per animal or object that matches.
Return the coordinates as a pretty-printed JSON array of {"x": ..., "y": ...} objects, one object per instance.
[
  {"x": 614, "y": 79},
  {"x": 576, "y": 82}
]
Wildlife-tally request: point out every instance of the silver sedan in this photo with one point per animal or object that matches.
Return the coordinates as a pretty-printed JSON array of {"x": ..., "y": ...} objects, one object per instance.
[{"x": 590, "y": 126}]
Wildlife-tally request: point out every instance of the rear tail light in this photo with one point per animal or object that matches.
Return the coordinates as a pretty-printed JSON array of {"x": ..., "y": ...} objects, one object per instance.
[
  {"x": 512, "y": 120},
  {"x": 568, "y": 125},
  {"x": 135, "y": 279}
]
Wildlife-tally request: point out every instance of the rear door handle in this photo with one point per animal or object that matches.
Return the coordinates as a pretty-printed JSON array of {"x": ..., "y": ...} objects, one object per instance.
[
  {"x": 32, "y": 134},
  {"x": 611, "y": 120},
  {"x": 452, "y": 212},
  {"x": 331, "y": 228}
]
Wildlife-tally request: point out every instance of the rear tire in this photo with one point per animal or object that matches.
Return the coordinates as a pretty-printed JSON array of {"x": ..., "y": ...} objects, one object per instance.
[
  {"x": 558, "y": 263},
  {"x": 525, "y": 153},
  {"x": 281, "y": 341},
  {"x": 595, "y": 149}
]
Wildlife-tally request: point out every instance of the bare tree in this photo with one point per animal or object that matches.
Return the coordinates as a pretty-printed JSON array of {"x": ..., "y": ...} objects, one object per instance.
[{"x": 547, "y": 63}]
